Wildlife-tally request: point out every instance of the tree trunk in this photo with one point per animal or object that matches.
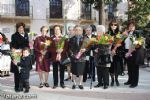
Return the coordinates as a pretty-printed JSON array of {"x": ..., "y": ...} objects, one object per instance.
[{"x": 101, "y": 13}]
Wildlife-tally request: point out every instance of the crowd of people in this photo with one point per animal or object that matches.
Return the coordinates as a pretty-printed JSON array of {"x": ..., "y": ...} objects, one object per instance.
[{"x": 96, "y": 60}]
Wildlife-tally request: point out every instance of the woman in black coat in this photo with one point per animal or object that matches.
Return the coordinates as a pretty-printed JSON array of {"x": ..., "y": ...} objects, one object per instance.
[
  {"x": 78, "y": 64},
  {"x": 117, "y": 52},
  {"x": 133, "y": 56},
  {"x": 19, "y": 40}
]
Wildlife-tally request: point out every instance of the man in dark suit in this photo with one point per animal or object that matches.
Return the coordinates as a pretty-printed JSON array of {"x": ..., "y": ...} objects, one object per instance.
[
  {"x": 90, "y": 67},
  {"x": 19, "y": 40}
]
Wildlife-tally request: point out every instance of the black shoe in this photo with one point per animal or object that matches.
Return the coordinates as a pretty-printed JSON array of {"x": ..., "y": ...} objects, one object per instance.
[
  {"x": 17, "y": 90},
  {"x": 105, "y": 86},
  {"x": 127, "y": 83},
  {"x": 112, "y": 83},
  {"x": 46, "y": 84},
  {"x": 117, "y": 83},
  {"x": 133, "y": 86},
  {"x": 73, "y": 86},
  {"x": 62, "y": 85},
  {"x": 20, "y": 90},
  {"x": 98, "y": 85},
  {"x": 80, "y": 86},
  {"x": 26, "y": 91},
  {"x": 55, "y": 86},
  {"x": 41, "y": 85}
]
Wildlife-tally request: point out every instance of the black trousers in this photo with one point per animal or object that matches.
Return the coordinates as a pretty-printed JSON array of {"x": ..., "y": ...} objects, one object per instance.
[
  {"x": 14, "y": 69},
  {"x": 133, "y": 70},
  {"x": 16, "y": 79},
  {"x": 24, "y": 83},
  {"x": 103, "y": 75},
  {"x": 89, "y": 69},
  {"x": 57, "y": 67}
]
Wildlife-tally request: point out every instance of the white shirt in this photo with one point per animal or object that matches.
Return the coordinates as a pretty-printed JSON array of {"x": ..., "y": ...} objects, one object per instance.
[{"x": 128, "y": 42}]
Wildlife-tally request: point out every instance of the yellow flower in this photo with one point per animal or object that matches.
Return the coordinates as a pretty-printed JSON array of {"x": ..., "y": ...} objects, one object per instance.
[
  {"x": 47, "y": 42},
  {"x": 118, "y": 35},
  {"x": 93, "y": 39},
  {"x": 106, "y": 38}
]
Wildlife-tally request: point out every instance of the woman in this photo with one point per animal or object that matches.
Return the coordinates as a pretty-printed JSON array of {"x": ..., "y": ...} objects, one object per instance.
[
  {"x": 133, "y": 56},
  {"x": 59, "y": 53},
  {"x": 102, "y": 53},
  {"x": 78, "y": 64},
  {"x": 19, "y": 40},
  {"x": 42, "y": 56},
  {"x": 117, "y": 50}
]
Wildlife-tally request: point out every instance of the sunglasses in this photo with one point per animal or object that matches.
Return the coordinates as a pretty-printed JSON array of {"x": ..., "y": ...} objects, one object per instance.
[{"x": 113, "y": 24}]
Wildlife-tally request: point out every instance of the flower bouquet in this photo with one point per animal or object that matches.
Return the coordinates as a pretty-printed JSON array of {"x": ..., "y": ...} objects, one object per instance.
[
  {"x": 43, "y": 47},
  {"x": 105, "y": 39},
  {"x": 136, "y": 43},
  {"x": 104, "y": 43},
  {"x": 32, "y": 36},
  {"x": 120, "y": 38},
  {"x": 85, "y": 45},
  {"x": 60, "y": 42},
  {"x": 16, "y": 55}
]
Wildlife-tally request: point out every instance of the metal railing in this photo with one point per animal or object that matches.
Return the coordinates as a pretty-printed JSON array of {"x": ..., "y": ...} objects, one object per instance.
[
  {"x": 86, "y": 16},
  {"x": 9, "y": 10}
]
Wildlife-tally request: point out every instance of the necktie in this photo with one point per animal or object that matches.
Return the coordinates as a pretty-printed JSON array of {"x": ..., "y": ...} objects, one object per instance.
[{"x": 78, "y": 40}]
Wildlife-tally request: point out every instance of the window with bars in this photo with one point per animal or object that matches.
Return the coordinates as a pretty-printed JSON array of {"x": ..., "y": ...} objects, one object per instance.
[
  {"x": 22, "y": 7},
  {"x": 110, "y": 12},
  {"x": 86, "y": 11},
  {"x": 55, "y": 8}
]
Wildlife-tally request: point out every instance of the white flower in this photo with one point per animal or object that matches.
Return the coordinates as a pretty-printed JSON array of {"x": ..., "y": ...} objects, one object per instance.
[{"x": 135, "y": 42}]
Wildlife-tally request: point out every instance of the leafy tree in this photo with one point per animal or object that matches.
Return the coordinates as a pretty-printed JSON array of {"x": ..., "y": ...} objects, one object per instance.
[
  {"x": 99, "y": 5},
  {"x": 139, "y": 10}
]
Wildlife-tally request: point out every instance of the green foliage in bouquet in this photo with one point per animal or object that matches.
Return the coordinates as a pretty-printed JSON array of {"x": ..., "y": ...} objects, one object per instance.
[
  {"x": 105, "y": 39},
  {"x": 61, "y": 42}
]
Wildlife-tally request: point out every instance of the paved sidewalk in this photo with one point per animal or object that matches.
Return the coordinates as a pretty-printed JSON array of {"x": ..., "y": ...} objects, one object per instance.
[{"x": 142, "y": 92}]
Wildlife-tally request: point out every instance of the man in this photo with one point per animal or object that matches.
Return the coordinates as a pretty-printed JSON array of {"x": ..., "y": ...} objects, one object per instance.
[{"x": 89, "y": 67}]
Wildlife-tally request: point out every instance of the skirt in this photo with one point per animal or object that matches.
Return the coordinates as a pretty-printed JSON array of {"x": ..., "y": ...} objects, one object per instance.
[
  {"x": 43, "y": 66},
  {"x": 78, "y": 67}
]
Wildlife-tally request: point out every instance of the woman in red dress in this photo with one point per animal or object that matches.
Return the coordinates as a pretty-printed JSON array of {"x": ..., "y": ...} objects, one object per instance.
[{"x": 42, "y": 45}]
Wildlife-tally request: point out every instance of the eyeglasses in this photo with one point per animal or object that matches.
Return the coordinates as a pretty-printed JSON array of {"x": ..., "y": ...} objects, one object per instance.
[{"x": 113, "y": 24}]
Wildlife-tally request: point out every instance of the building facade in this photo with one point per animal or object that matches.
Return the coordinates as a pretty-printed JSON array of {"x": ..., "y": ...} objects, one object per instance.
[{"x": 36, "y": 13}]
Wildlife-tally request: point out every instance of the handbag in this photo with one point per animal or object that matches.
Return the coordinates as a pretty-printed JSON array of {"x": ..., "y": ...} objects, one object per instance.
[{"x": 65, "y": 61}]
